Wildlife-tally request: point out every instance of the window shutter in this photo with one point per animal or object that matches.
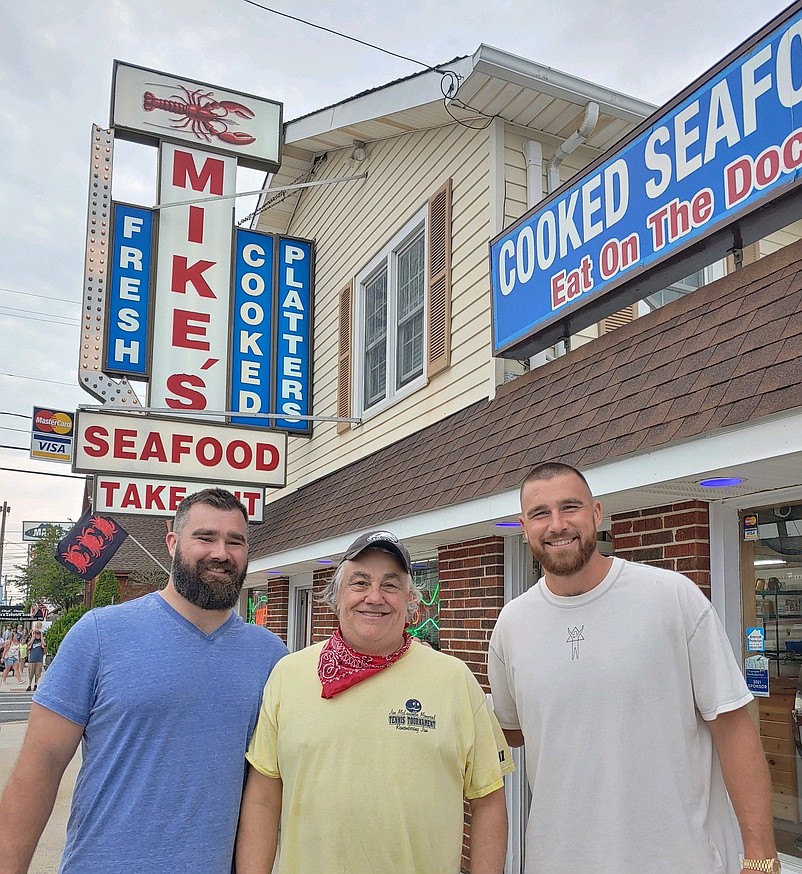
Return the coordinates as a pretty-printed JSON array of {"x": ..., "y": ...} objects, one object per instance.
[
  {"x": 438, "y": 353},
  {"x": 619, "y": 319},
  {"x": 344, "y": 358}
]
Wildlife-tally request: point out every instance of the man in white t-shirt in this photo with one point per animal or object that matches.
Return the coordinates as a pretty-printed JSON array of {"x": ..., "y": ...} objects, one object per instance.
[{"x": 620, "y": 681}]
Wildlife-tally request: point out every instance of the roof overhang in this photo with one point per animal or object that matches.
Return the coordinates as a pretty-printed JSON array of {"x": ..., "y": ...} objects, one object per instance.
[{"x": 493, "y": 83}]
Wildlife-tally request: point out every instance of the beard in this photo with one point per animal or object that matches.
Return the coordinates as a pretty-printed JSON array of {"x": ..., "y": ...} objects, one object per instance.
[
  {"x": 204, "y": 589},
  {"x": 568, "y": 562}
]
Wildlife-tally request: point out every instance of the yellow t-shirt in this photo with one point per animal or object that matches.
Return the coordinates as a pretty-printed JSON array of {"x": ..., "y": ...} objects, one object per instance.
[{"x": 374, "y": 778}]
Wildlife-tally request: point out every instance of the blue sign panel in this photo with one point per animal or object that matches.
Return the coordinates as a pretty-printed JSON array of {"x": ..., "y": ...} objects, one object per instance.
[
  {"x": 129, "y": 291},
  {"x": 252, "y": 327},
  {"x": 733, "y": 143},
  {"x": 756, "y": 673},
  {"x": 293, "y": 381},
  {"x": 755, "y": 639}
]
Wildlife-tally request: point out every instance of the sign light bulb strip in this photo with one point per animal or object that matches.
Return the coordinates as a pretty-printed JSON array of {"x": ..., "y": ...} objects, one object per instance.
[{"x": 98, "y": 227}]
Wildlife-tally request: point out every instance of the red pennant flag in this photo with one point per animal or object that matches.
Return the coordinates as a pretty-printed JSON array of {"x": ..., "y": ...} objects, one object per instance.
[{"x": 90, "y": 544}]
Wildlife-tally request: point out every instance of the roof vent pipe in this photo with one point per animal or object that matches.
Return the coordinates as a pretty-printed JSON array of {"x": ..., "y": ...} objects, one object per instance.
[
  {"x": 533, "y": 152},
  {"x": 573, "y": 143}
]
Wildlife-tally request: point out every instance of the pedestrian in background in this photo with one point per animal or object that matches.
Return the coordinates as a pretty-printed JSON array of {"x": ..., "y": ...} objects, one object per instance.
[
  {"x": 164, "y": 742},
  {"x": 620, "y": 682},
  {"x": 11, "y": 657},
  {"x": 368, "y": 743},
  {"x": 36, "y": 655}
]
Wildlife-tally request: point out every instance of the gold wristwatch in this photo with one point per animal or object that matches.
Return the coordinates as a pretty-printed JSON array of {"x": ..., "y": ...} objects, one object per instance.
[{"x": 772, "y": 866}]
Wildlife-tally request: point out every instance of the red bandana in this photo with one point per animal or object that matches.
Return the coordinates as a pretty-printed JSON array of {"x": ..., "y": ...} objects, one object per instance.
[{"x": 341, "y": 667}]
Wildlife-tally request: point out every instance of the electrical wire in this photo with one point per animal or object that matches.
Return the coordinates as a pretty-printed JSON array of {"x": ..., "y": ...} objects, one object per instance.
[
  {"x": 42, "y": 296},
  {"x": 41, "y": 472},
  {"x": 338, "y": 33},
  {"x": 39, "y": 379},
  {"x": 70, "y": 323},
  {"x": 306, "y": 176},
  {"x": 449, "y": 76}
]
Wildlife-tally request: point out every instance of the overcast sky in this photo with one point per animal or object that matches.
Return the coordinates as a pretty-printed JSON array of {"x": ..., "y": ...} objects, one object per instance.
[{"x": 55, "y": 77}]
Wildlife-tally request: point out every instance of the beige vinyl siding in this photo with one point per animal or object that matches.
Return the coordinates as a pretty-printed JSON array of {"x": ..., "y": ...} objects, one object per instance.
[{"x": 350, "y": 224}]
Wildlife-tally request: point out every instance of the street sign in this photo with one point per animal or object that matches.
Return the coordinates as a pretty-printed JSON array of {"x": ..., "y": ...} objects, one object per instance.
[{"x": 33, "y": 531}]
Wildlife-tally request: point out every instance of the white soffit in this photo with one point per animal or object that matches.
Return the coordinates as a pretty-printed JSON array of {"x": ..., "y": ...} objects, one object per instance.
[{"x": 506, "y": 67}]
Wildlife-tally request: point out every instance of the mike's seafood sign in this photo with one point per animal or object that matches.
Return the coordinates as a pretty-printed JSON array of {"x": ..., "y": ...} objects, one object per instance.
[{"x": 149, "y": 106}]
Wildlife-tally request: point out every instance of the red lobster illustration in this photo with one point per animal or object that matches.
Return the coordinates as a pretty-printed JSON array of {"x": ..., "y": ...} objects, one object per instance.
[
  {"x": 76, "y": 557},
  {"x": 199, "y": 112}
]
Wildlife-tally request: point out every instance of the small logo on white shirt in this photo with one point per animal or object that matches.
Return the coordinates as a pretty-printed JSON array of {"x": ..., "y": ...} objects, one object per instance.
[{"x": 574, "y": 636}]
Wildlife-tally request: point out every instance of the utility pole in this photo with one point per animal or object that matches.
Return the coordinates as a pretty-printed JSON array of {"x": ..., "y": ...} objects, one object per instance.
[{"x": 6, "y": 509}]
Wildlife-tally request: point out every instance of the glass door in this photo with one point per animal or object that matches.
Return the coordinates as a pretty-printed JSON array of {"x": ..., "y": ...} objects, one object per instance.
[{"x": 771, "y": 555}]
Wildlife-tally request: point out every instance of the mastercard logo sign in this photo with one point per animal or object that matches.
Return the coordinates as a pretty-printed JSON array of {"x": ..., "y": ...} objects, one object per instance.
[{"x": 52, "y": 421}]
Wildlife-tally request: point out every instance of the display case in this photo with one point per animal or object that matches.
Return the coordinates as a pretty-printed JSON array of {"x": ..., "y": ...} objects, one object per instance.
[{"x": 779, "y": 611}]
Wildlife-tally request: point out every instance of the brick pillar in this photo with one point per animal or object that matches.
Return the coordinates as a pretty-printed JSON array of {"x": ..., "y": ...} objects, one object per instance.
[
  {"x": 324, "y": 620},
  {"x": 675, "y": 536},
  {"x": 471, "y": 597},
  {"x": 278, "y": 599}
]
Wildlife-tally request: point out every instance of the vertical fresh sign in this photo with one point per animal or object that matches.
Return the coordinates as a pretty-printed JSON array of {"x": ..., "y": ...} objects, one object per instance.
[{"x": 129, "y": 291}]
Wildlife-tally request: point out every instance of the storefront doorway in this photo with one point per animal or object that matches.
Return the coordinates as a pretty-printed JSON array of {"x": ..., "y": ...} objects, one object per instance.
[
  {"x": 771, "y": 577},
  {"x": 300, "y": 612}
]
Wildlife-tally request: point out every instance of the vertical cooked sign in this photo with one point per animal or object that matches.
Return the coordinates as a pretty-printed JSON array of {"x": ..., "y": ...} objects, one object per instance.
[
  {"x": 193, "y": 281},
  {"x": 127, "y": 350},
  {"x": 293, "y": 359},
  {"x": 726, "y": 146},
  {"x": 252, "y": 326}
]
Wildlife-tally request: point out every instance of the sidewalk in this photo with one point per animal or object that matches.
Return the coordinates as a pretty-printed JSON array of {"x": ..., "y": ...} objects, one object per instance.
[{"x": 48, "y": 853}]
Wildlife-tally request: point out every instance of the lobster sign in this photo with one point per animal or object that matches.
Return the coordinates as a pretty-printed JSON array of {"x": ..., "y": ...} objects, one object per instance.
[
  {"x": 200, "y": 113},
  {"x": 90, "y": 544},
  {"x": 150, "y": 106}
]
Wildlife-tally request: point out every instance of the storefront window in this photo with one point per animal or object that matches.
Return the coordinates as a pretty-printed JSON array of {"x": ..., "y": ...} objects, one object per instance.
[
  {"x": 425, "y": 623},
  {"x": 772, "y": 540},
  {"x": 257, "y": 607}
]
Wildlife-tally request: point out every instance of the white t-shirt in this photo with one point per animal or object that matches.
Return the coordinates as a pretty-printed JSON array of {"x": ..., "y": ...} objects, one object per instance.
[{"x": 611, "y": 690}]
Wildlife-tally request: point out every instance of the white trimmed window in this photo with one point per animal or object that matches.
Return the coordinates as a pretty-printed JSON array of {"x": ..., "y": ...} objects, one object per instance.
[
  {"x": 390, "y": 309},
  {"x": 395, "y": 317}
]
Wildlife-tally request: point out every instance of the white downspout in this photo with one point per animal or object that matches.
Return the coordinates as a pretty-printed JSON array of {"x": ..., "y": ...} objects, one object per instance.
[
  {"x": 533, "y": 152},
  {"x": 573, "y": 142}
]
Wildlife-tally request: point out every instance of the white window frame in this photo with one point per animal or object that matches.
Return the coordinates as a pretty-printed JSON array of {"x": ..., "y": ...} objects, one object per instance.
[{"x": 387, "y": 257}]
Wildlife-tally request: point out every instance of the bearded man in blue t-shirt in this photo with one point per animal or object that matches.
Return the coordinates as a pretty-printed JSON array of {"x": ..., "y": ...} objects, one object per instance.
[{"x": 163, "y": 692}]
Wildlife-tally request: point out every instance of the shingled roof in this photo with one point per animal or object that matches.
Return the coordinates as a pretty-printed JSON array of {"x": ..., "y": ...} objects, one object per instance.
[{"x": 720, "y": 357}]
